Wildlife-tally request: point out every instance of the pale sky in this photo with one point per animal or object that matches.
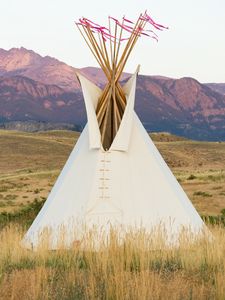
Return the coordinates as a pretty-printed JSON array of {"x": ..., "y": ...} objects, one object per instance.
[{"x": 193, "y": 46}]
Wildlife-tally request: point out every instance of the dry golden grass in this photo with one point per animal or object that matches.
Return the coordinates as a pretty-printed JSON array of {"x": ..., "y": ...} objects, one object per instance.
[
  {"x": 127, "y": 270},
  {"x": 29, "y": 166}
]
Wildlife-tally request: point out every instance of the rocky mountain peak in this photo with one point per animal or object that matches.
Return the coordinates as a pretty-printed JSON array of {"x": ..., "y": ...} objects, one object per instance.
[{"x": 39, "y": 88}]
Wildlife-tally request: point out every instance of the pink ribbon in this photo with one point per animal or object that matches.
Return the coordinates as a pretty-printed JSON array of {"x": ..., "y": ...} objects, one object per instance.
[
  {"x": 116, "y": 21},
  {"x": 94, "y": 27},
  {"x": 106, "y": 35},
  {"x": 147, "y": 18},
  {"x": 128, "y": 21}
]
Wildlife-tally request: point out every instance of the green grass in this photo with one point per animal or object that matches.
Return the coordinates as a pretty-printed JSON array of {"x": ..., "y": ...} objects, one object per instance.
[
  {"x": 203, "y": 194},
  {"x": 24, "y": 216}
]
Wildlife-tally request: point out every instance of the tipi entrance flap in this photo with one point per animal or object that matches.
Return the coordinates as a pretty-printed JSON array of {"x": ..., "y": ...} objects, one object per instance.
[{"x": 91, "y": 93}]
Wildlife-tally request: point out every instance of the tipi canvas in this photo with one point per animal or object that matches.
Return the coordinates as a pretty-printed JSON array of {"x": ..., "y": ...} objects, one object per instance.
[
  {"x": 115, "y": 176},
  {"x": 127, "y": 185}
]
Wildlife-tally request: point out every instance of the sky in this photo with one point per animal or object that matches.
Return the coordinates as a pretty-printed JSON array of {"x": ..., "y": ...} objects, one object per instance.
[{"x": 194, "y": 45}]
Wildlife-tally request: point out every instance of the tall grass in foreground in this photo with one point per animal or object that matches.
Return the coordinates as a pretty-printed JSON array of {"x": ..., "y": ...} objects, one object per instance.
[{"x": 116, "y": 271}]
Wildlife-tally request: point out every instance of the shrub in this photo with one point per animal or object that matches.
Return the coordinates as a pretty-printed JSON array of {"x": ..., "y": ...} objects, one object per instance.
[
  {"x": 23, "y": 216},
  {"x": 200, "y": 193},
  {"x": 191, "y": 177},
  {"x": 218, "y": 177},
  {"x": 10, "y": 197},
  {"x": 214, "y": 220}
]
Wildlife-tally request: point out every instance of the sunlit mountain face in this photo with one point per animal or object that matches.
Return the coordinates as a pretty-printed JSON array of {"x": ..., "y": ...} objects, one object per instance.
[{"x": 39, "y": 88}]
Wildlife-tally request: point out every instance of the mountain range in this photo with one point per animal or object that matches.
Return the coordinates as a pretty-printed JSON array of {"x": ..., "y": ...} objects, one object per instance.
[{"x": 45, "y": 89}]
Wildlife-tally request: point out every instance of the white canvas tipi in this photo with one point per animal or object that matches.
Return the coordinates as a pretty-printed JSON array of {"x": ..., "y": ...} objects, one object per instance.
[{"x": 129, "y": 184}]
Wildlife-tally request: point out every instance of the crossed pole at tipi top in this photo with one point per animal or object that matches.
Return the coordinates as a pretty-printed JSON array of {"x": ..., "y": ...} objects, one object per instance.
[{"x": 111, "y": 47}]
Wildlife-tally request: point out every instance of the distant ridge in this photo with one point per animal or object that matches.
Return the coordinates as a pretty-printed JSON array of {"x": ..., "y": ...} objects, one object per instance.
[
  {"x": 44, "y": 89},
  {"x": 218, "y": 87},
  {"x": 35, "y": 126}
]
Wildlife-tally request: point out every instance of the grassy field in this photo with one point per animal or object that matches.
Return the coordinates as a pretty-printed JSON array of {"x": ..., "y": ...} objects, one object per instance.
[
  {"x": 29, "y": 166},
  {"x": 128, "y": 270}
]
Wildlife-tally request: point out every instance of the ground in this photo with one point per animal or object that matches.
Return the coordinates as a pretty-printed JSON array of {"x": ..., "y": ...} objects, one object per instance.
[
  {"x": 132, "y": 269},
  {"x": 31, "y": 162}
]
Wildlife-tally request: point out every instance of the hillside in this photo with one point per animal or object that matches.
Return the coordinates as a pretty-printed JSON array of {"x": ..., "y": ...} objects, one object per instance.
[
  {"x": 39, "y": 88},
  {"x": 31, "y": 162},
  {"x": 218, "y": 87}
]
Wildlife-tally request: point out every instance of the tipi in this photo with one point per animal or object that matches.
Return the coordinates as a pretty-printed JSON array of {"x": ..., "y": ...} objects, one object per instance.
[{"x": 114, "y": 175}]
